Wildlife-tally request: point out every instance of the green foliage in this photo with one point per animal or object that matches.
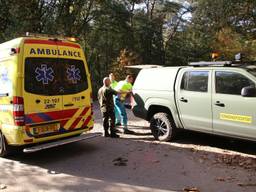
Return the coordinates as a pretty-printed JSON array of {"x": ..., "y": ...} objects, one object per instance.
[{"x": 229, "y": 26}]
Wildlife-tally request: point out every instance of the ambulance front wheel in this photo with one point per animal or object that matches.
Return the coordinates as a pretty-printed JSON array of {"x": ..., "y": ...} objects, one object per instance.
[{"x": 4, "y": 147}]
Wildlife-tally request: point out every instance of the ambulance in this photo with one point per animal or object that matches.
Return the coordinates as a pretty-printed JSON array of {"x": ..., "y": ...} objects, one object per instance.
[{"x": 45, "y": 93}]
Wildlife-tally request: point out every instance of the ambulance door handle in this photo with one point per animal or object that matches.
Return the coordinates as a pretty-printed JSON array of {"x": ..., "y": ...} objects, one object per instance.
[
  {"x": 83, "y": 97},
  {"x": 38, "y": 101},
  {"x": 69, "y": 105},
  {"x": 219, "y": 104},
  {"x": 4, "y": 94}
]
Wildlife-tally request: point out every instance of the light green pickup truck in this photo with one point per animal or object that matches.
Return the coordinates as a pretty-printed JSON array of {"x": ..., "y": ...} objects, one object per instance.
[{"x": 211, "y": 97}]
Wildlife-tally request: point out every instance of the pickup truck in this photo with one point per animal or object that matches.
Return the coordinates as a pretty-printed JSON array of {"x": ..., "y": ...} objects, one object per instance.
[{"x": 212, "y": 97}]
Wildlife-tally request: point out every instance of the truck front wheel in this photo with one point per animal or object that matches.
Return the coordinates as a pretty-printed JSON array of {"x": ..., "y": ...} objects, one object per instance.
[{"x": 162, "y": 127}]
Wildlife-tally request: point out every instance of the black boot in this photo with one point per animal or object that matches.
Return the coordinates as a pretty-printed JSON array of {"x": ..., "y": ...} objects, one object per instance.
[
  {"x": 127, "y": 131},
  {"x": 113, "y": 134},
  {"x": 106, "y": 133}
]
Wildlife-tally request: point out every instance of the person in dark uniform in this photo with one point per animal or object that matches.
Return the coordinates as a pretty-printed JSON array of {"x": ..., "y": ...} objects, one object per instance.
[{"x": 105, "y": 97}]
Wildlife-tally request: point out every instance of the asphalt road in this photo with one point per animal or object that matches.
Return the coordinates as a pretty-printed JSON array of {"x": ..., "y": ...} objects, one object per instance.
[{"x": 135, "y": 163}]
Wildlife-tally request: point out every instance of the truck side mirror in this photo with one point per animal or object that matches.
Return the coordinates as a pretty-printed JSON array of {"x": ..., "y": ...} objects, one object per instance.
[{"x": 248, "y": 92}]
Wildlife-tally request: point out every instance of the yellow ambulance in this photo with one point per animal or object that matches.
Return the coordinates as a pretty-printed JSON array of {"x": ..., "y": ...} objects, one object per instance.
[{"x": 45, "y": 93}]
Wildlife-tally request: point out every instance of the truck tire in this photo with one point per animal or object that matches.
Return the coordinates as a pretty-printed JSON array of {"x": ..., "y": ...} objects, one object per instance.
[
  {"x": 162, "y": 127},
  {"x": 4, "y": 148}
]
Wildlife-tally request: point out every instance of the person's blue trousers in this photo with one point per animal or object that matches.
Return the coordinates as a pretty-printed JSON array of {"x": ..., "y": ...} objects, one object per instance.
[
  {"x": 121, "y": 111},
  {"x": 117, "y": 114}
]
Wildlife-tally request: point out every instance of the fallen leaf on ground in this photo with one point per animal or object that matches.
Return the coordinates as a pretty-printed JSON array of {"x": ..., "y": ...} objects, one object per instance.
[
  {"x": 237, "y": 160},
  {"x": 191, "y": 189},
  {"x": 120, "y": 161},
  {"x": 201, "y": 160},
  {"x": 246, "y": 184},
  {"x": 2, "y": 186},
  {"x": 220, "y": 179},
  {"x": 120, "y": 164},
  {"x": 193, "y": 150}
]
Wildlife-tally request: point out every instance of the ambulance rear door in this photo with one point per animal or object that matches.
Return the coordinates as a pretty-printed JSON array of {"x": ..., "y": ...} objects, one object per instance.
[
  {"x": 43, "y": 100},
  {"x": 76, "y": 86}
]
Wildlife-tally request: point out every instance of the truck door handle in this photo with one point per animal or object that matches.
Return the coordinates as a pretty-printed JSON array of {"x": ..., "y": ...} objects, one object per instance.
[
  {"x": 182, "y": 99},
  {"x": 69, "y": 105},
  {"x": 219, "y": 104}
]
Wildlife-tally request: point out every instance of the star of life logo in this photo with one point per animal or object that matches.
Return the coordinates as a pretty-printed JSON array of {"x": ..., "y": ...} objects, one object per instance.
[
  {"x": 73, "y": 74},
  {"x": 4, "y": 75},
  {"x": 44, "y": 74}
]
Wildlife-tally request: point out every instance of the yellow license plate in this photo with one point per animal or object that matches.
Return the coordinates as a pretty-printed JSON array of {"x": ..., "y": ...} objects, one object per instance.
[{"x": 46, "y": 129}]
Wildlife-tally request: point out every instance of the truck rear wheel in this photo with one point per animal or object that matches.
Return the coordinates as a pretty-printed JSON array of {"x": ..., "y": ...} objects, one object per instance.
[
  {"x": 4, "y": 148},
  {"x": 162, "y": 127}
]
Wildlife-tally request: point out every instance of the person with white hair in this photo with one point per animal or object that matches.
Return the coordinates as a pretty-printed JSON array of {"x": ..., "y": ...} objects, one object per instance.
[{"x": 105, "y": 97}]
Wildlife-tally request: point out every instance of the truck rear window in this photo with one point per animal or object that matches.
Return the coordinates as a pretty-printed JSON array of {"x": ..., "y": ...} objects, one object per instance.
[
  {"x": 195, "y": 81},
  {"x": 55, "y": 76}
]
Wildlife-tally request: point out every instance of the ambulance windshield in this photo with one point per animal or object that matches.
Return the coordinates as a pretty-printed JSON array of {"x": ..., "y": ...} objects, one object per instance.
[{"x": 52, "y": 76}]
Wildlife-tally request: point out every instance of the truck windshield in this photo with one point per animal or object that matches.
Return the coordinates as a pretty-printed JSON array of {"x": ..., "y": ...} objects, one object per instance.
[{"x": 54, "y": 76}]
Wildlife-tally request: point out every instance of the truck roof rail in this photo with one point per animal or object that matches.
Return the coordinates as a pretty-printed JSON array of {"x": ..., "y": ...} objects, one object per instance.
[
  {"x": 210, "y": 63},
  {"x": 145, "y": 66}
]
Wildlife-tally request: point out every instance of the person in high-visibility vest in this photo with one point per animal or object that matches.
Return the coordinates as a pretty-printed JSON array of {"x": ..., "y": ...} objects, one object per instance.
[
  {"x": 112, "y": 80},
  {"x": 113, "y": 86},
  {"x": 123, "y": 87}
]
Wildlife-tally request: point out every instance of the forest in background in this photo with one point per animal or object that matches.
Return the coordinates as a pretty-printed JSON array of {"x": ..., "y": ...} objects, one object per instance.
[{"x": 116, "y": 33}]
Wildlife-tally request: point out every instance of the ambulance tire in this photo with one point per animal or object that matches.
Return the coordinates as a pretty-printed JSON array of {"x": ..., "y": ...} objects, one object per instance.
[
  {"x": 162, "y": 127},
  {"x": 4, "y": 147}
]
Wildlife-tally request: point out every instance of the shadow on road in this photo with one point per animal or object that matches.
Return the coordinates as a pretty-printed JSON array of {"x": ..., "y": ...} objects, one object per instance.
[
  {"x": 195, "y": 138},
  {"x": 201, "y": 139}
]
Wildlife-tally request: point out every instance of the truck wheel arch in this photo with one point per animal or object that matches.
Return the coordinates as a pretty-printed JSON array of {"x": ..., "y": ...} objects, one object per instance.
[{"x": 153, "y": 109}]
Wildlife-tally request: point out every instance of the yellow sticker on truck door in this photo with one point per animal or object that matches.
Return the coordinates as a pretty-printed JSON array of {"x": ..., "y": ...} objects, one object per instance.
[{"x": 237, "y": 118}]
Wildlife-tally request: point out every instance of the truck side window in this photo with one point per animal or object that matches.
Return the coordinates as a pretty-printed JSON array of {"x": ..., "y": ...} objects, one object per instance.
[
  {"x": 195, "y": 81},
  {"x": 230, "y": 82}
]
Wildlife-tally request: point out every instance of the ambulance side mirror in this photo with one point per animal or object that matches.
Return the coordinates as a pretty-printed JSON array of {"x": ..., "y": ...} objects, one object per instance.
[{"x": 248, "y": 92}]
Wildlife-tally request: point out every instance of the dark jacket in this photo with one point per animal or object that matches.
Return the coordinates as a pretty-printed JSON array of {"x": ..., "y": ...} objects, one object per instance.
[{"x": 105, "y": 97}]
